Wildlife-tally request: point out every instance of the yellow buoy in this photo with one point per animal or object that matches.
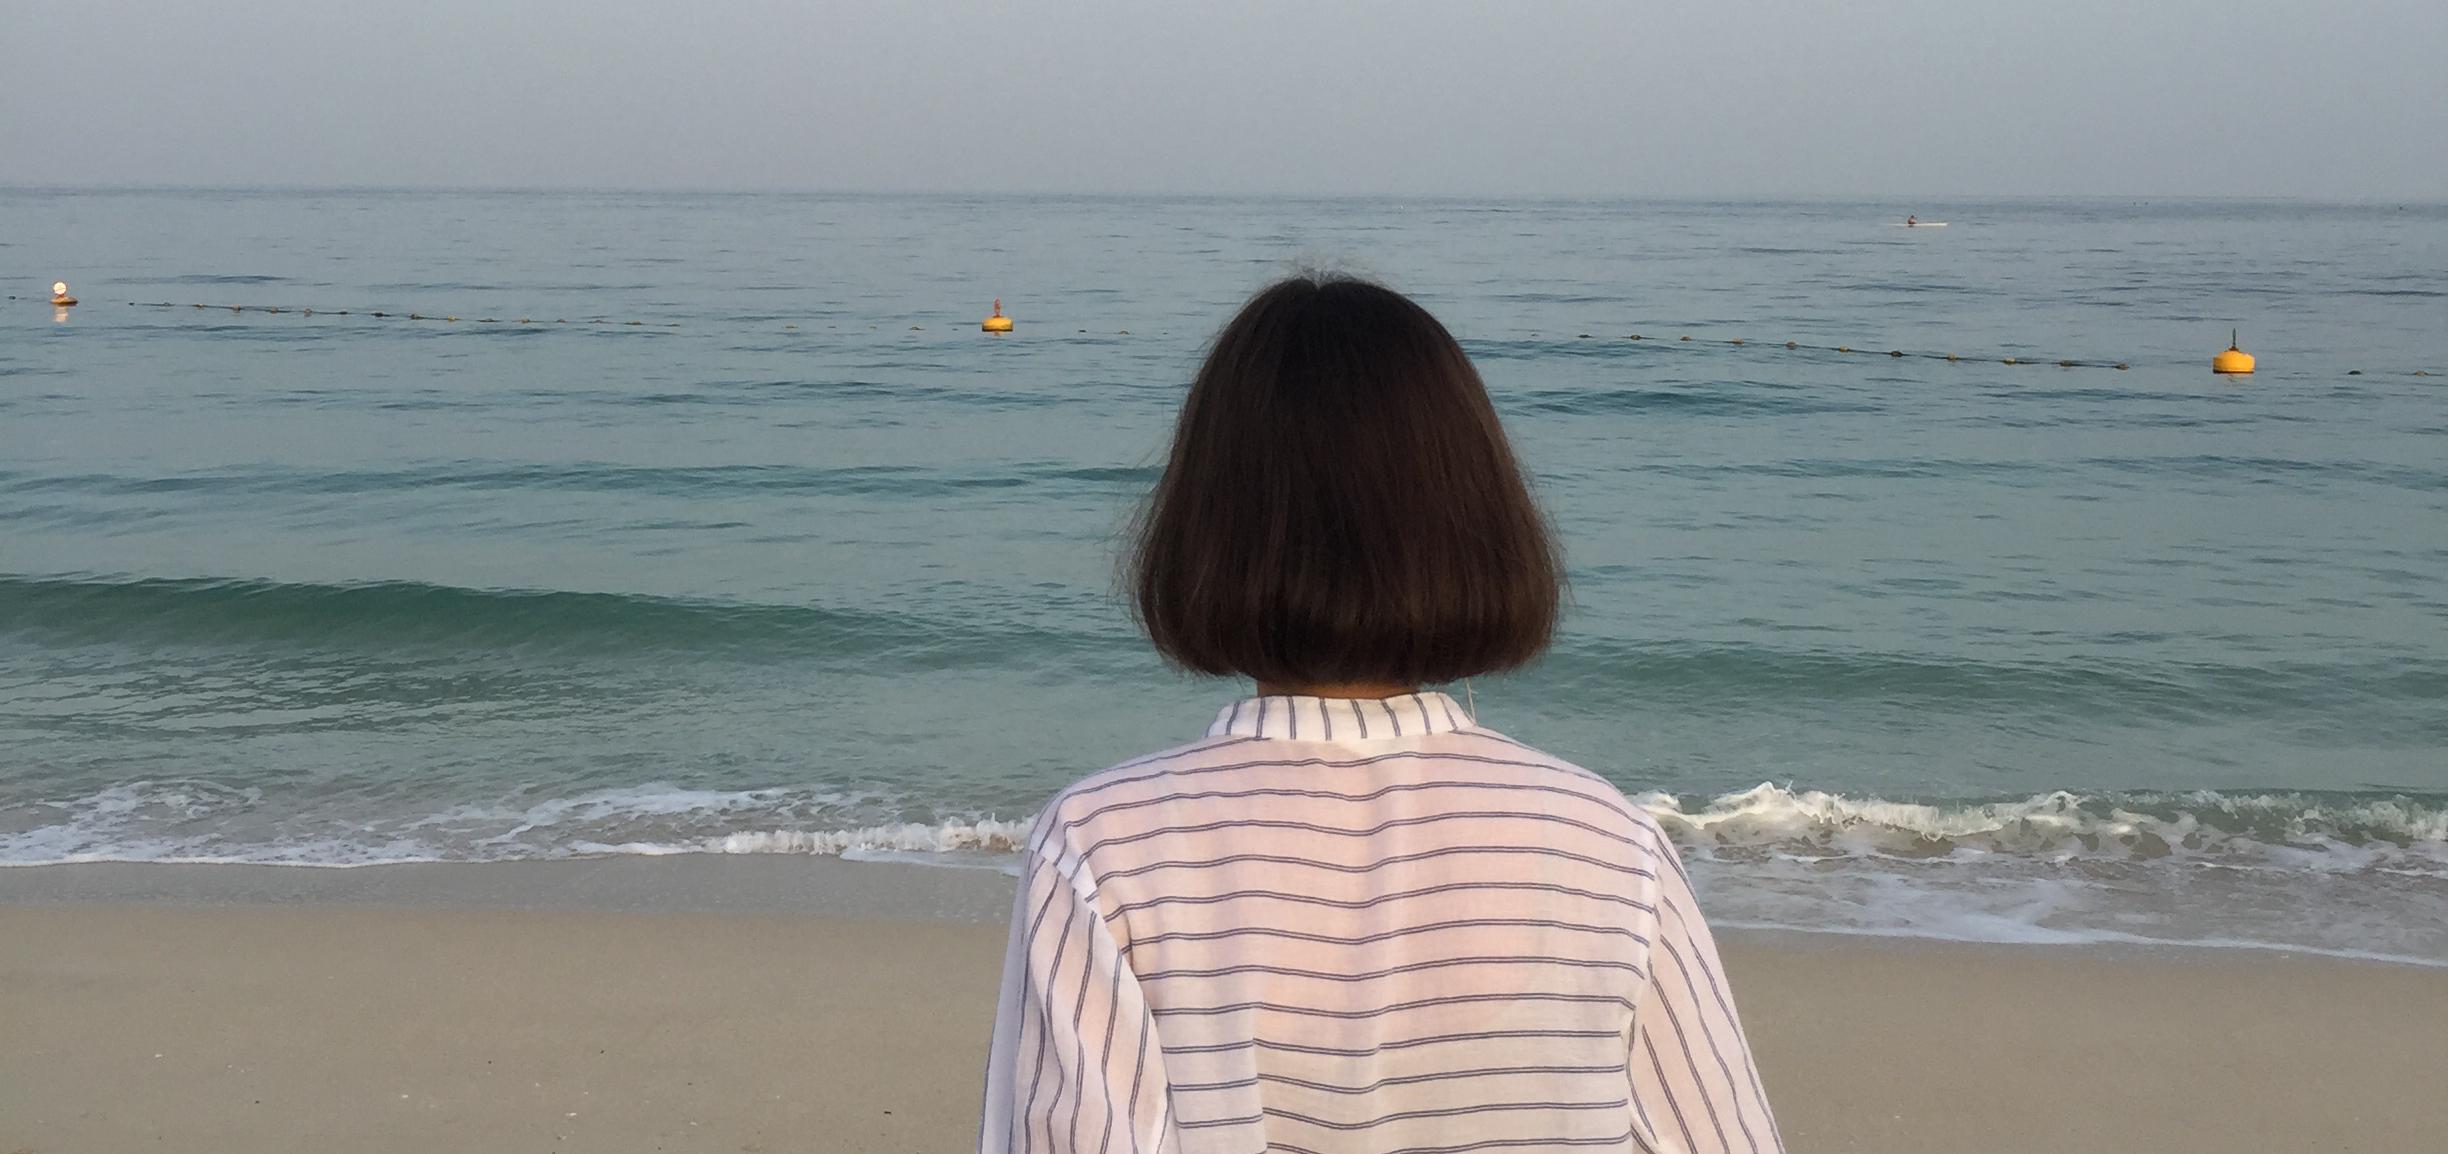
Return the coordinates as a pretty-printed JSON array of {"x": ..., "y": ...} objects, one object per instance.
[
  {"x": 2234, "y": 362},
  {"x": 59, "y": 294},
  {"x": 998, "y": 323}
]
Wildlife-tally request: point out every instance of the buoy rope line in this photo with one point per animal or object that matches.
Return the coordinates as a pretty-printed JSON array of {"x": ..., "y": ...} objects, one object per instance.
[
  {"x": 1682, "y": 342},
  {"x": 1719, "y": 344},
  {"x": 396, "y": 315},
  {"x": 1724, "y": 344}
]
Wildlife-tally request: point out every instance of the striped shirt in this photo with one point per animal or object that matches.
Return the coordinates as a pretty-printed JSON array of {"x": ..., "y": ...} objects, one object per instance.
[{"x": 1361, "y": 926}]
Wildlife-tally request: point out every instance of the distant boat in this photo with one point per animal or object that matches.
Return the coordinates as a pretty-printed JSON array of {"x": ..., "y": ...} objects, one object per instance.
[{"x": 1916, "y": 222}]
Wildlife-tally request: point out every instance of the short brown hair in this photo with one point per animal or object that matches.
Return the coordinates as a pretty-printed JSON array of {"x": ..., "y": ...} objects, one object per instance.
[{"x": 1340, "y": 504}]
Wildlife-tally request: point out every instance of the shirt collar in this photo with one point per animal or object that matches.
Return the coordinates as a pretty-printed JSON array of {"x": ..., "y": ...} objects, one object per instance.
[{"x": 1340, "y": 718}]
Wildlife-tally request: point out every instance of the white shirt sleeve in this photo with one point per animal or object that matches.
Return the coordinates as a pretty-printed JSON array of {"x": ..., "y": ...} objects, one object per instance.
[
  {"x": 1075, "y": 1063},
  {"x": 1694, "y": 1089}
]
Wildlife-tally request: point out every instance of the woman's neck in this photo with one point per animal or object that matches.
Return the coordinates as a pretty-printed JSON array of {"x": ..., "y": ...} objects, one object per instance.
[{"x": 1359, "y": 690}]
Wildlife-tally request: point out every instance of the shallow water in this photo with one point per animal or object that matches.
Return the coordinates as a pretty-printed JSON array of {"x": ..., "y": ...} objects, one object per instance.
[{"x": 804, "y": 562}]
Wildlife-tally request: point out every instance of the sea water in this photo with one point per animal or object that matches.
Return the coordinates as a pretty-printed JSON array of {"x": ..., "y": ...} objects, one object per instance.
[{"x": 712, "y": 523}]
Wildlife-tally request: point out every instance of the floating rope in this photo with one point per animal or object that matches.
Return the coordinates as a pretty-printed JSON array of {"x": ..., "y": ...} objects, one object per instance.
[
  {"x": 1715, "y": 343},
  {"x": 1892, "y": 354},
  {"x": 389, "y": 314},
  {"x": 1695, "y": 343}
]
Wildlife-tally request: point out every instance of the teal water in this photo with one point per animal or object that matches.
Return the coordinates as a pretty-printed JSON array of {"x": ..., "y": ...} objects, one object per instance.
[{"x": 804, "y": 562}]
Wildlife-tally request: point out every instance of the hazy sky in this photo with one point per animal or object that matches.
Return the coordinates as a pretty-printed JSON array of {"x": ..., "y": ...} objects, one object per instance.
[{"x": 2347, "y": 98}]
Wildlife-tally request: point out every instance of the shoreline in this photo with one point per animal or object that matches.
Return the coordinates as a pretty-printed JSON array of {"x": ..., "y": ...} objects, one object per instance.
[
  {"x": 833, "y": 886},
  {"x": 763, "y": 1004},
  {"x": 803, "y": 884}
]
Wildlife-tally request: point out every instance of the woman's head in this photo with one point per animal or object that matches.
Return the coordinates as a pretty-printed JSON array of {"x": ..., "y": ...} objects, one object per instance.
[{"x": 1340, "y": 506}]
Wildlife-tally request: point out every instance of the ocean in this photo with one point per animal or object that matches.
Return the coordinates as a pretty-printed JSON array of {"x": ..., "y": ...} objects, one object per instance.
[{"x": 662, "y": 523}]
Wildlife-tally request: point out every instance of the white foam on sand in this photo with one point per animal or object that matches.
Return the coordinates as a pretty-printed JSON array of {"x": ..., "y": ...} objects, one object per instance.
[{"x": 2353, "y": 876}]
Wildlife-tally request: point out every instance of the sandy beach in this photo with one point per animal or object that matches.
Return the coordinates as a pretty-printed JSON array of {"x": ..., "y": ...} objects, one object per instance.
[{"x": 451, "y": 1007}]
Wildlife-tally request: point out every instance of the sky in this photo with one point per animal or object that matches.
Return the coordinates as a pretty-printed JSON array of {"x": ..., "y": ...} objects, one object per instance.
[{"x": 2341, "y": 100}]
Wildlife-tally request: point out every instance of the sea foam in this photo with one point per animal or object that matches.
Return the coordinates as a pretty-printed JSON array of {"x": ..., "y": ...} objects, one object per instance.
[
  {"x": 2359, "y": 875},
  {"x": 2255, "y": 830}
]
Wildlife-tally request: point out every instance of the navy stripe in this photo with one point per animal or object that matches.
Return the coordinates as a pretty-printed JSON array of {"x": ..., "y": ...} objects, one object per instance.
[
  {"x": 1113, "y": 1017},
  {"x": 1429, "y": 706},
  {"x": 1642, "y": 1113},
  {"x": 1079, "y": 1071},
  {"x": 1368, "y": 939},
  {"x": 1146, "y": 1023},
  {"x": 1207, "y": 744},
  {"x": 1553, "y": 762},
  {"x": 1046, "y": 1030},
  {"x": 1611, "y": 1069},
  {"x": 1710, "y": 1036},
  {"x": 1490, "y": 1144},
  {"x": 1043, "y": 1021},
  {"x": 1372, "y": 795},
  {"x": 1204, "y": 1123},
  {"x": 1369, "y": 831},
  {"x": 1610, "y": 802},
  {"x": 1397, "y": 1007},
  {"x": 1381, "y": 1047},
  {"x": 1675, "y": 861},
  {"x": 1708, "y": 1101},
  {"x": 1607, "y": 796},
  {"x": 1413, "y": 967},
  {"x": 1203, "y": 1087},
  {"x": 1726, "y": 1006},
  {"x": 1444, "y": 1112},
  {"x": 1380, "y": 863},
  {"x": 1365, "y": 903},
  {"x": 1665, "y": 1087}
]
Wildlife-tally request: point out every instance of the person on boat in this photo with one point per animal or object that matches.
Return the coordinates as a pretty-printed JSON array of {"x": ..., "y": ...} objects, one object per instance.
[{"x": 1912, "y": 222}]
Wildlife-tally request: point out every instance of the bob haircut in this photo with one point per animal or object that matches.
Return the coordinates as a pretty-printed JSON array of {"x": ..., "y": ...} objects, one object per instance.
[{"x": 1340, "y": 505}]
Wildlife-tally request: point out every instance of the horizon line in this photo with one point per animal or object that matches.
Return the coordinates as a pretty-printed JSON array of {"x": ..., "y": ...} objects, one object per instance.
[{"x": 2440, "y": 200}]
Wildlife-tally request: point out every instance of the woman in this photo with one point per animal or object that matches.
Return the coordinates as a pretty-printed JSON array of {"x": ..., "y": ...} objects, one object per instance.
[{"x": 1350, "y": 918}]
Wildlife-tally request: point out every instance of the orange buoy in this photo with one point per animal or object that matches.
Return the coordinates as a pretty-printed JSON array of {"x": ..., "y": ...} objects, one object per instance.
[
  {"x": 59, "y": 294},
  {"x": 2235, "y": 362},
  {"x": 998, "y": 323}
]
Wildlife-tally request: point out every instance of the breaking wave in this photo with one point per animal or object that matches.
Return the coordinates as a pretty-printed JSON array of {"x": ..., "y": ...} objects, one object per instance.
[
  {"x": 2351, "y": 874},
  {"x": 2324, "y": 831}
]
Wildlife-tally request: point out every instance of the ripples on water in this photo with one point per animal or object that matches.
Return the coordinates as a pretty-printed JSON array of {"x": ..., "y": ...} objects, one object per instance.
[{"x": 2026, "y": 651}]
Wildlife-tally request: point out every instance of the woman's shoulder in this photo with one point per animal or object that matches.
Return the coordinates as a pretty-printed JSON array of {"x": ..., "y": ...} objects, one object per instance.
[
  {"x": 1564, "y": 774},
  {"x": 1221, "y": 768},
  {"x": 1135, "y": 783}
]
